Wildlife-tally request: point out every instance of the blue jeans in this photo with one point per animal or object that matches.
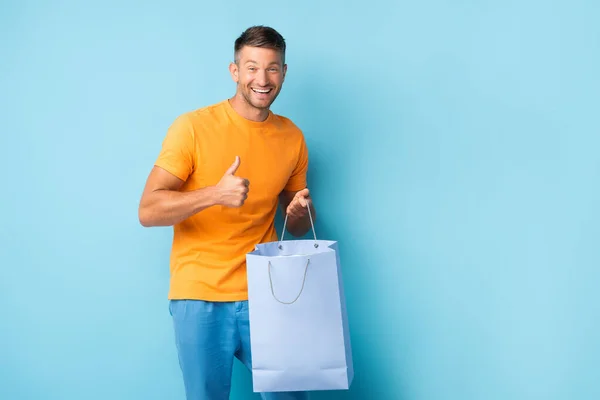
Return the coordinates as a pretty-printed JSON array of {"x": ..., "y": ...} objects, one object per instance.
[{"x": 208, "y": 336}]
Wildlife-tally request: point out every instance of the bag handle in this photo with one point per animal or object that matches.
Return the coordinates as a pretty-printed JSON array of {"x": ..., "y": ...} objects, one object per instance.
[
  {"x": 311, "y": 224},
  {"x": 301, "y": 289}
]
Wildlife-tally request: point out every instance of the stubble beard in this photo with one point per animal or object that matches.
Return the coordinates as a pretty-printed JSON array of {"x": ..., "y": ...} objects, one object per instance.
[{"x": 247, "y": 95}]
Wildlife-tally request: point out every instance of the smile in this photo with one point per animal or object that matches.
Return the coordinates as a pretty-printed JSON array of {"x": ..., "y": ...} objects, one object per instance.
[{"x": 261, "y": 91}]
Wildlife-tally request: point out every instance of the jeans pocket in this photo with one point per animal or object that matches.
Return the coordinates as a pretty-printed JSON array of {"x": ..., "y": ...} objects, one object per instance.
[{"x": 177, "y": 308}]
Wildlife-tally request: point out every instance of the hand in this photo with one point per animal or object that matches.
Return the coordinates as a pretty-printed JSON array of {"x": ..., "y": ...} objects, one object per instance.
[
  {"x": 298, "y": 207},
  {"x": 233, "y": 190}
]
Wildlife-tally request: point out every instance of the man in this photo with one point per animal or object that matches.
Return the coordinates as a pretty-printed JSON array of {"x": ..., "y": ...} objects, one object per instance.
[{"x": 218, "y": 179}]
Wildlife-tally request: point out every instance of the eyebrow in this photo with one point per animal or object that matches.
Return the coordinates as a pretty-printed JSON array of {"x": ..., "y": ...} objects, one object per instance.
[{"x": 255, "y": 62}]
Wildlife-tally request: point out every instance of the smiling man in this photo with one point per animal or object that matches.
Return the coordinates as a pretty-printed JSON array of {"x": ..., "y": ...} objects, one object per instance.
[{"x": 218, "y": 180}]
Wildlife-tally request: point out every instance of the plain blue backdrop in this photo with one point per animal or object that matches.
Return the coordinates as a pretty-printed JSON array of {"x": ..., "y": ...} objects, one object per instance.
[{"x": 454, "y": 155}]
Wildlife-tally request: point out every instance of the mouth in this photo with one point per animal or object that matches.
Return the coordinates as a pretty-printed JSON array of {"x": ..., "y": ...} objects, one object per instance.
[{"x": 261, "y": 91}]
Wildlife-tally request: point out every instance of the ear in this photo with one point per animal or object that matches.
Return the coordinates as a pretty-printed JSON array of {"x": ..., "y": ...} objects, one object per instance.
[{"x": 233, "y": 70}]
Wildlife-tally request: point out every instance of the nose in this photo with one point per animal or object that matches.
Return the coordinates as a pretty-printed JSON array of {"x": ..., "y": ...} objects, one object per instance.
[{"x": 261, "y": 78}]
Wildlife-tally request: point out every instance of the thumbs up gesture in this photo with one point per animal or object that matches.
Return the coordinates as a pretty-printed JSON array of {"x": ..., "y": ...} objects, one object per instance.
[{"x": 233, "y": 190}]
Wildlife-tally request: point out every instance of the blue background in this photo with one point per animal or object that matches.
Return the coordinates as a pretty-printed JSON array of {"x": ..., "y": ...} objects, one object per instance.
[{"x": 454, "y": 155}]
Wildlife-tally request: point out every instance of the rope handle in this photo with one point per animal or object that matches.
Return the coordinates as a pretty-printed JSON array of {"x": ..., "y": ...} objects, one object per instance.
[
  {"x": 301, "y": 289},
  {"x": 311, "y": 224}
]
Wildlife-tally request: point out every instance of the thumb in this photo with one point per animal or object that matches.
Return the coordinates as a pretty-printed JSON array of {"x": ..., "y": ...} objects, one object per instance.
[
  {"x": 236, "y": 164},
  {"x": 303, "y": 193},
  {"x": 301, "y": 196}
]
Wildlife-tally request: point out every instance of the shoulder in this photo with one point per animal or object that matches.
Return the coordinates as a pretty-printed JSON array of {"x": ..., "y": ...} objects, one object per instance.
[
  {"x": 213, "y": 112},
  {"x": 294, "y": 135},
  {"x": 199, "y": 120},
  {"x": 285, "y": 123}
]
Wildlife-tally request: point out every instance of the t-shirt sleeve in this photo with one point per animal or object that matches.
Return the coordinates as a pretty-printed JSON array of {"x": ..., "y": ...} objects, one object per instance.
[
  {"x": 298, "y": 179},
  {"x": 177, "y": 154}
]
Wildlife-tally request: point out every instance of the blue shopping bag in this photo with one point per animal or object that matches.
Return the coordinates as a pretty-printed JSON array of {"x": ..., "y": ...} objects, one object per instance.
[{"x": 299, "y": 333}]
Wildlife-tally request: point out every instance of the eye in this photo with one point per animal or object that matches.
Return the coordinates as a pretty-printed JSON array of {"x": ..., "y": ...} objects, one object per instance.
[{"x": 251, "y": 69}]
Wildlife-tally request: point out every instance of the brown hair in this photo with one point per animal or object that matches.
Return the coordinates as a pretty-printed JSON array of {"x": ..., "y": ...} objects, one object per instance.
[{"x": 260, "y": 36}]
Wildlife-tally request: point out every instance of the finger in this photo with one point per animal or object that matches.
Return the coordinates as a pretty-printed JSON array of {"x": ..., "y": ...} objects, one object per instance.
[
  {"x": 297, "y": 209},
  {"x": 293, "y": 212},
  {"x": 304, "y": 192},
  {"x": 302, "y": 201},
  {"x": 246, "y": 182},
  {"x": 234, "y": 167},
  {"x": 296, "y": 213}
]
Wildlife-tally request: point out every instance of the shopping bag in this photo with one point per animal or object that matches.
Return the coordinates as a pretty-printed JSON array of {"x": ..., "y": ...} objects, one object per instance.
[{"x": 299, "y": 334}]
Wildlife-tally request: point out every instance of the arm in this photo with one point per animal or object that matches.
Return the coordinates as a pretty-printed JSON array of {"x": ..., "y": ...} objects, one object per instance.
[
  {"x": 294, "y": 204},
  {"x": 162, "y": 203}
]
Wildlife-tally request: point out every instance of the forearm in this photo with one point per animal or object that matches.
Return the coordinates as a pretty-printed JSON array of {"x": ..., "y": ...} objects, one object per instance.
[{"x": 169, "y": 207}]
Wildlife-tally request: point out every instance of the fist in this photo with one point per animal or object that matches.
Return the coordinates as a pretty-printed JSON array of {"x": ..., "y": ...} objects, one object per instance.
[
  {"x": 299, "y": 205},
  {"x": 233, "y": 190}
]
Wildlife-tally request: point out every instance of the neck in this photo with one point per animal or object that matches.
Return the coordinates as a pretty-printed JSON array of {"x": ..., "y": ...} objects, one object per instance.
[{"x": 241, "y": 106}]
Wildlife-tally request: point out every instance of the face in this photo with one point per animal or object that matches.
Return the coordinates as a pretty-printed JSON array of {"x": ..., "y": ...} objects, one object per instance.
[{"x": 259, "y": 74}]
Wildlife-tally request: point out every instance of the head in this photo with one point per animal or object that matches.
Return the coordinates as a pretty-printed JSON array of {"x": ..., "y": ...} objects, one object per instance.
[{"x": 259, "y": 66}]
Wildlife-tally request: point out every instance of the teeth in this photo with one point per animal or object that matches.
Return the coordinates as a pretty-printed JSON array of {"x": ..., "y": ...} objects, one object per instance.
[{"x": 262, "y": 91}]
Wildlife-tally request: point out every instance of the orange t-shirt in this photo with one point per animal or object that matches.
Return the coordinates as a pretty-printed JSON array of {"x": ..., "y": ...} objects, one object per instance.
[{"x": 208, "y": 256}]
